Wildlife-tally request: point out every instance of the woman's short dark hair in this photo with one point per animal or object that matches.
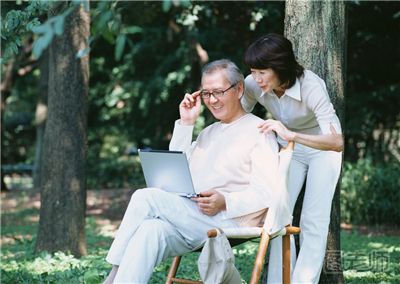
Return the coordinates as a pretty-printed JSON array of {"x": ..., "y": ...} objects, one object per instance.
[{"x": 276, "y": 52}]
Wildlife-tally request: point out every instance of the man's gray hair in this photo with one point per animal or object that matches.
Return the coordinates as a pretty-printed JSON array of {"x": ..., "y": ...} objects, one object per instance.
[{"x": 233, "y": 73}]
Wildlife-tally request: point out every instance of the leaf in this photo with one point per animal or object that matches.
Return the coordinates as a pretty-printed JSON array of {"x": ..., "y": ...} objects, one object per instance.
[
  {"x": 83, "y": 52},
  {"x": 108, "y": 36},
  {"x": 92, "y": 276},
  {"x": 42, "y": 43},
  {"x": 59, "y": 24},
  {"x": 103, "y": 20},
  {"x": 14, "y": 47},
  {"x": 132, "y": 30},
  {"x": 166, "y": 5},
  {"x": 84, "y": 3},
  {"x": 119, "y": 46},
  {"x": 41, "y": 29},
  {"x": 34, "y": 23},
  {"x": 12, "y": 20}
]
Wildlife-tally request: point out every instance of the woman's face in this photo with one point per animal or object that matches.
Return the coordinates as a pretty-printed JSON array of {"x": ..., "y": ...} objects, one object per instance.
[{"x": 266, "y": 79}]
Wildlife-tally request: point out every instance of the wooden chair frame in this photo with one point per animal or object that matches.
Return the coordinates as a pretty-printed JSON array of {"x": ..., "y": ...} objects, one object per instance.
[{"x": 258, "y": 262}]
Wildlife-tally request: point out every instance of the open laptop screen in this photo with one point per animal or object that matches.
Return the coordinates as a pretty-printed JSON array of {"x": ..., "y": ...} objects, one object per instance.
[{"x": 167, "y": 170}]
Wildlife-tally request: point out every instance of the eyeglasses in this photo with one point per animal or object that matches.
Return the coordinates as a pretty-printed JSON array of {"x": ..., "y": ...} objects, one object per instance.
[{"x": 216, "y": 93}]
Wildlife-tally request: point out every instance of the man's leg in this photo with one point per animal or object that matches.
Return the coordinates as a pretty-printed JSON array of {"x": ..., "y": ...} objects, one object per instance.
[
  {"x": 322, "y": 177},
  {"x": 296, "y": 179},
  {"x": 181, "y": 213},
  {"x": 152, "y": 242}
]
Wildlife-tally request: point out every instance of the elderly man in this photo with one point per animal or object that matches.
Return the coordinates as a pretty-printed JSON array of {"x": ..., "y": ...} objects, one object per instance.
[{"x": 233, "y": 166}]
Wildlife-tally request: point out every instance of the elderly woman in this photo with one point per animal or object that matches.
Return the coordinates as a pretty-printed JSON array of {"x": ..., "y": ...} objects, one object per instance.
[{"x": 302, "y": 112}]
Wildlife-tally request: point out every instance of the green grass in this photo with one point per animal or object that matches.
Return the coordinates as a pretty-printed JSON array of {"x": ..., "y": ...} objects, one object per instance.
[
  {"x": 371, "y": 259},
  {"x": 365, "y": 259}
]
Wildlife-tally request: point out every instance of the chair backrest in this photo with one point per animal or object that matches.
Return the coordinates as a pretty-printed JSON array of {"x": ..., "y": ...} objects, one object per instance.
[
  {"x": 285, "y": 156},
  {"x": 280, "y": 215}
]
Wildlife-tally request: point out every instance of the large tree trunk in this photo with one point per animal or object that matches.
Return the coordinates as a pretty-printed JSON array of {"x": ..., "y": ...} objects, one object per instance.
[
  {"x": 318, "y": 30},
  {"x": 63, "y": 192}
]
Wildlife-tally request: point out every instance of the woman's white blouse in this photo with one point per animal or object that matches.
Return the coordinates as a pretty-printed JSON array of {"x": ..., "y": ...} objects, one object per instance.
[{"x": 304, "y": 108}]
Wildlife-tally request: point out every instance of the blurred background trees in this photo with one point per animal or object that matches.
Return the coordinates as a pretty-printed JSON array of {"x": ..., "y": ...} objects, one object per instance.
[{"x": 145, "y": 55}]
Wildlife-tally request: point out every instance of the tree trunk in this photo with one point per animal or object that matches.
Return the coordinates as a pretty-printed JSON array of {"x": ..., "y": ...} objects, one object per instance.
[
  {"x": 40, "y": 117},
  {"x": 63, "y": 192},
  {"x": 318, "y": 30}
]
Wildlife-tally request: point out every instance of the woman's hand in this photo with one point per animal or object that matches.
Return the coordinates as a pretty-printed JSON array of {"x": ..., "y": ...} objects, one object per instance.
[
  {"x": 190, "y": 108},
  {"x": 324, "y": 142},
  {"x": 277, "y": 126},
  {"x": 211, "y": 202}
]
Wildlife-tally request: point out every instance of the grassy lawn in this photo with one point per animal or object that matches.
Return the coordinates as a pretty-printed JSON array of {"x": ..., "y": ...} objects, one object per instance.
[{"x": 366, "y": 258}]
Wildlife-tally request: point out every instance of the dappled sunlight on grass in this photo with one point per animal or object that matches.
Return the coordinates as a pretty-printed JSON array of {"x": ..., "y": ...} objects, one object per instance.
[{"x": 366, "y": 259}]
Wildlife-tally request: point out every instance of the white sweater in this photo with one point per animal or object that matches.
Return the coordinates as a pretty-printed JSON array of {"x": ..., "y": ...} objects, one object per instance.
[{"x": 239, "y": 162}]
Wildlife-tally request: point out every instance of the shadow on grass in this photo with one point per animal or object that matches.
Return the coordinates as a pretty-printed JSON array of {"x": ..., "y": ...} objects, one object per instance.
[{"x": 366, "y": 259}]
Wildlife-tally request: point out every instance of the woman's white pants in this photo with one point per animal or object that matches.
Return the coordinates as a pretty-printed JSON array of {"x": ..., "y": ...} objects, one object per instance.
[
  {"x": 322, "y": 170},
  {"x": 156, "y": 225}
]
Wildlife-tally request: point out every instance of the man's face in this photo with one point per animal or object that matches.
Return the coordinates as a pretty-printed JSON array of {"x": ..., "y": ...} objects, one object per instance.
[{"x": 225, "y": 108}]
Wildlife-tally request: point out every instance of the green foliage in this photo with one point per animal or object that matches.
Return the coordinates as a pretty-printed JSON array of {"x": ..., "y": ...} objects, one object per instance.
[
  {"x": 134, "y": 95},
  {"x": 54, "y": 26},
  {"x": 110, "y": 165},
  {"x": 372, "y": 120},
  {"x": 142, "y": 61},
  {"x": 18, "y": 127},
  {"x": 19, "y": 23},
  {"x": 370, "y": 193},
  {"x": 47, "y": 31}
]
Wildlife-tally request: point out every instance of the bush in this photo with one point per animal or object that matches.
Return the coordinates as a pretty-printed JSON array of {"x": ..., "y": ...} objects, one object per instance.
[
  {"x": 121, "y": 172},
  {"x": 110, "y": 165},
  {"x": 370, "y": 193}
]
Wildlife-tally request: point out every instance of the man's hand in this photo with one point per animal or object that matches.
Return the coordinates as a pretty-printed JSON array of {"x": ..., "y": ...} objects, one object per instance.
[
  {"x": 190, "y": 108},
  {"x": 277, "y": 126},
  {"x": 211, "y": 202}
]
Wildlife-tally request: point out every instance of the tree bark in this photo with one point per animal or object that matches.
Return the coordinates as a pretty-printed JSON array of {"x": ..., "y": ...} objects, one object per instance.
[
  {"x": 63, "y": 192},
  {"x": 318, "y": 31}
]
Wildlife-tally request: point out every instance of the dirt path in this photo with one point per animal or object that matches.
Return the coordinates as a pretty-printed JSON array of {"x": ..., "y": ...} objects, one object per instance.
[{"x": 110, "y": 203}]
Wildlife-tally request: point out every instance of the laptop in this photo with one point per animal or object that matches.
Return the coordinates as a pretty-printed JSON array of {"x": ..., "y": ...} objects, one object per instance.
[{"x": 167, "y": 170}]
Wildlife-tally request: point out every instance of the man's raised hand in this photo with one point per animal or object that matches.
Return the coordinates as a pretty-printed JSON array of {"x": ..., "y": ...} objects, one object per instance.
[{"x": 190, "y": 108}]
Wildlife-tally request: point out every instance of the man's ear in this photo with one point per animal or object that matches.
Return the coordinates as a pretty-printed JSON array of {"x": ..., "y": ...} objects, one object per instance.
[{"x": 241, "y": 89}]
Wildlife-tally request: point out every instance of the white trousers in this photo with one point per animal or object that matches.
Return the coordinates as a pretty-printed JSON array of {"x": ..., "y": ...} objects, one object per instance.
[
  {"x": 156, "y": 225},
  {"x": 322, "y": 170}
]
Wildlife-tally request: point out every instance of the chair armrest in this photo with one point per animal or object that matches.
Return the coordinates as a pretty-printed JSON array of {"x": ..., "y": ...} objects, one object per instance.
[
  {"x": 290, "y": 230},
  {"x": 237, "y": 233}
]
